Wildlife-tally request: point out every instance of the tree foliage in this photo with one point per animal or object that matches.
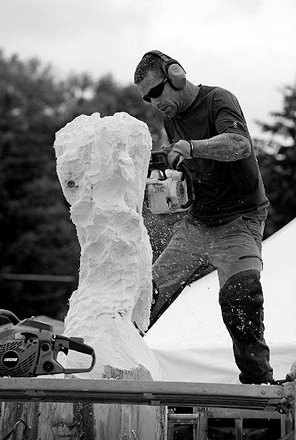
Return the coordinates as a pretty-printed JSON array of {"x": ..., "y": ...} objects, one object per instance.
[
  {"x": 277, "y": 161},
  {"x": 35, "y": 236}
]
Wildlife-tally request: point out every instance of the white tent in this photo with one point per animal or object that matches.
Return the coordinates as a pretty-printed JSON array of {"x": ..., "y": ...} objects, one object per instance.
[{"x": 190, "y": 340}]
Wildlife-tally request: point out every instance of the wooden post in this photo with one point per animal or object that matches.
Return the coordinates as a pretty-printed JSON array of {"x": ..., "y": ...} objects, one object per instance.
[
  {"x": 102, "y": 165},
  {"x": 60, "y": 421},
  {"x": 238, "y": 423},
  {"x": 201, "y": 429}
]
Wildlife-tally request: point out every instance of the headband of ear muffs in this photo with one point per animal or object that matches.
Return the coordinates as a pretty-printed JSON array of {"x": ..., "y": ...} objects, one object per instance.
[{"x": 172, "y": 70}]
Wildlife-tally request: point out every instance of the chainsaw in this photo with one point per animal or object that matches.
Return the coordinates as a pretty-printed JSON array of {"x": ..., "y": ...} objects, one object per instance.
[
  {"x": 29, "y": 348},
  {"x": 168, "y": 190}
]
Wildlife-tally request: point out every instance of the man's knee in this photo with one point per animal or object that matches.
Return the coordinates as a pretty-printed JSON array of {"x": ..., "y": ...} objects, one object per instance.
[{"x": 241, "y": 301}]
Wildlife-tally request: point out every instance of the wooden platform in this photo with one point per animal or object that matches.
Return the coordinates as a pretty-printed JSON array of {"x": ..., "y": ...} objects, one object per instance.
[{"x": 256, "y": 397}]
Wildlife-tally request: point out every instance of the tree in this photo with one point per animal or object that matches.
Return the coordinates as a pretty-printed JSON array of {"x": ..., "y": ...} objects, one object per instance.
[
  {"x": 277, "y": 161},
  {"x": 34, "y": 232}
]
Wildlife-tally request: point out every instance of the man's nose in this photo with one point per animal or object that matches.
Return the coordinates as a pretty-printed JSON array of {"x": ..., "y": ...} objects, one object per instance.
[{"x": 155, "y": 102}]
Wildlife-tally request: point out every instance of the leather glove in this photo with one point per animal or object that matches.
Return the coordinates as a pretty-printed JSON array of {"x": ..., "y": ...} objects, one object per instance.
[
  {"x": 184, "y": 148},
  {"x": 178, "y": 152}
]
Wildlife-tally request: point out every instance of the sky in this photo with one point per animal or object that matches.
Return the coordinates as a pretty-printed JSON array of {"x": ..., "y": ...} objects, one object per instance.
[{"x": 245, "y": 46}]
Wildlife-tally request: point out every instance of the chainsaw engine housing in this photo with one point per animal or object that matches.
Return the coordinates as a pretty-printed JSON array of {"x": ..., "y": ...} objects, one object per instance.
[{"x": 30, "y": 348}]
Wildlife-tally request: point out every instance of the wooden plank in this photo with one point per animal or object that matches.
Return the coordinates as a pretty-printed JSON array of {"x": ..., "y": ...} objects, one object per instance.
[
  {"x": 38, "y": 277},
  {"x": 257, "y": 397},
  {"x": 196, "y": 426},
  {"x": 229, "y": 413},
  {"x": 287, "y": 424},
  {"x": 226, "y": 413},
  {"x": 290, "y": 436},
  {"x": 238, "y": 423},
  {"x": 201, "y": 432}
]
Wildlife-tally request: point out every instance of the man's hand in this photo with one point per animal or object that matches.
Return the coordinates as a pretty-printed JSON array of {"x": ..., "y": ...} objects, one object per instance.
[
  {"x": 184, "y": 148},
  {"x": 178, "y": 152}
]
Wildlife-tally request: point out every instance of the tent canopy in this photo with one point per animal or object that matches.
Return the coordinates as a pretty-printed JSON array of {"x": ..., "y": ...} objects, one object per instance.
[{"x": 190, "y": 340}]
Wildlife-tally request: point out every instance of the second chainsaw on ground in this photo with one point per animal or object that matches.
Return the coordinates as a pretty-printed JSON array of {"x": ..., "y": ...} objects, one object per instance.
[{"x": 29, "y": 348}]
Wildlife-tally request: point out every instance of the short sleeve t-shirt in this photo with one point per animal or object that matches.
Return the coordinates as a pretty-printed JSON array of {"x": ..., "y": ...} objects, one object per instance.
[{"x": 223, "y": 190}]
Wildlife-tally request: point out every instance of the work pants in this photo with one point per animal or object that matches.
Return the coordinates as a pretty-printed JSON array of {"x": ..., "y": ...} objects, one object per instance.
[{"x": 235, "y": 250}]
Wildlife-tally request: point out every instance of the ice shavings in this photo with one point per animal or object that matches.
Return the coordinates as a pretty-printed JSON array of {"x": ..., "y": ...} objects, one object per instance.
[{"x": 102, "y": 167}]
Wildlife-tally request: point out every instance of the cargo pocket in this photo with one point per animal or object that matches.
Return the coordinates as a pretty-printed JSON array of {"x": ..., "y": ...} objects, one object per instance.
[{"x": 256, "y": 227}]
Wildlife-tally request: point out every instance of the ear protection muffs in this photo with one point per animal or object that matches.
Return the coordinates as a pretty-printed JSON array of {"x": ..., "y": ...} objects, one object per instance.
[{"x": 172, "y": 70}]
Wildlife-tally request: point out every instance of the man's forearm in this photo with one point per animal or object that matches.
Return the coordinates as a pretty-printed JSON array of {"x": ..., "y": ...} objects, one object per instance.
[{"x": 226, "y": 147}]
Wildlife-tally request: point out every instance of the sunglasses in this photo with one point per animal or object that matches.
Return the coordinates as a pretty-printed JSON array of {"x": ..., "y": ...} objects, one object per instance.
[{"x": 155, "y": 92}]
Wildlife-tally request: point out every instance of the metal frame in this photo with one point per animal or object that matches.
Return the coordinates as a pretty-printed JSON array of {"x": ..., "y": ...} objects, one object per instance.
[
  {"x": 239, "y": 400},
  {"x": 259, "y": 397},
  {"x": 200, "y": 416}
]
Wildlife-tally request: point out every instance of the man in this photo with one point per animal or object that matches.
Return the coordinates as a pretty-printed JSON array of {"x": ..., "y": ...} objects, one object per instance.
[{"x": 224, "y": 226}]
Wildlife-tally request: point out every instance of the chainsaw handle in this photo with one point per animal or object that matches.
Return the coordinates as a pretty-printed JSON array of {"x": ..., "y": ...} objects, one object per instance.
[
  {"x": 6, "y": 317},
  {"x": 76, "y": 344},
  {"x": 189, "y": 181},
  {"x": 159, "y": 161}
]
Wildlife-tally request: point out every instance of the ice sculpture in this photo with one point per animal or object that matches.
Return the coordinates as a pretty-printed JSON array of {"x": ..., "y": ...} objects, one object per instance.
[{"x": 102, "y": 167}]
